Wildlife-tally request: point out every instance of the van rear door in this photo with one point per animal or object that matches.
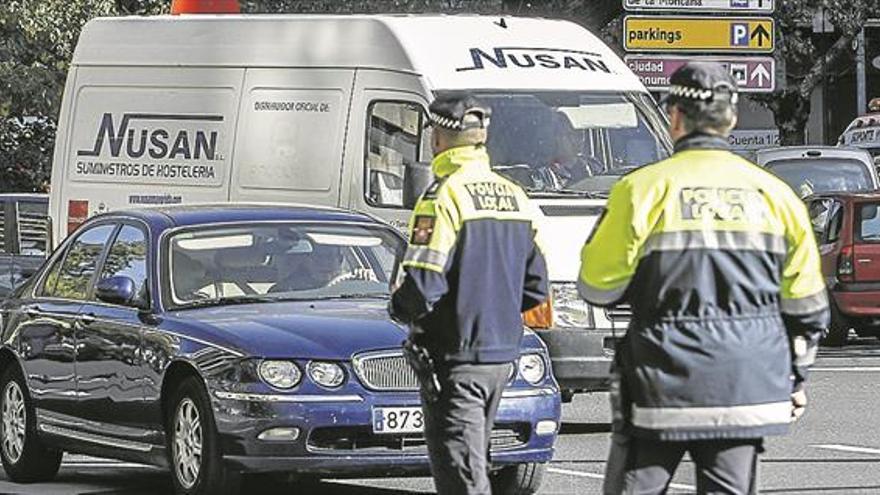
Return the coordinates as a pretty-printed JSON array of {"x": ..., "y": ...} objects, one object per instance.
[
  {"x": 289, "y": 138},
  {"x": 866, "y": 249}
]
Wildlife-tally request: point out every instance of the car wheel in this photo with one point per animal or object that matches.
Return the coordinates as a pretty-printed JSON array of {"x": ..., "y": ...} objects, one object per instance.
[
  {"x": 519, "y": 479},
  {"x": 25, "y": 458},
  {"x": 193, "y": 445},
  {"x": 838, "y": 330}
]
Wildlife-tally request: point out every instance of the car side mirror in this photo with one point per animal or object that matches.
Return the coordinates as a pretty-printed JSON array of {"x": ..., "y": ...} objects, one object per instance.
[
  {"x": 417, "y": 177},
  {"x": 119, "y": 290}
]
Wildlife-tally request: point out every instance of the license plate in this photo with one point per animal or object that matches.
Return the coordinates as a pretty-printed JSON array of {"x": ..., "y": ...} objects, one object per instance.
[{"x": 398, "y": 420}]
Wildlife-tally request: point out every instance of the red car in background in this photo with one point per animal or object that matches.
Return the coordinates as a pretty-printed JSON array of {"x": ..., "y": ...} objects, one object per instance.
[{"x": 847, "y": 227}]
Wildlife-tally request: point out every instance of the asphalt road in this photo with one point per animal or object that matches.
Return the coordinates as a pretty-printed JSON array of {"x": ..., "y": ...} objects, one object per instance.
[{"x": 834, "y": 449}]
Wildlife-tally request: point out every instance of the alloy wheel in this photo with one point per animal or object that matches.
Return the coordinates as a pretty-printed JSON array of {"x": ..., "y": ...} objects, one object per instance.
[
  {"x": 187, "y": 443},
  {"x": 14, "y": 421}
]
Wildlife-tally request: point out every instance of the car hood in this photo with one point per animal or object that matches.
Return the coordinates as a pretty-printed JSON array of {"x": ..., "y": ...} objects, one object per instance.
[{"x": 333, "y": 329}]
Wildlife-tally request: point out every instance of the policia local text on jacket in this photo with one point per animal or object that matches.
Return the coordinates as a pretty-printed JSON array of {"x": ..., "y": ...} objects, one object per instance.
[{"x": 473, "y": 265}]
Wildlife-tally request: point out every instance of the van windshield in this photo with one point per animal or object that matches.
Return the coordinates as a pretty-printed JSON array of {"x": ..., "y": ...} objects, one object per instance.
[{"x": 568, "y": 142}]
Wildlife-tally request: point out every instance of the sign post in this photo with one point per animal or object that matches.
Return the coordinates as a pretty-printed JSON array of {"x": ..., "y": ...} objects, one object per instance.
[
  {"x": 700, "y": 34},
  {"x": 725, "y": 6},
  {"x": 752, "y": 74}
]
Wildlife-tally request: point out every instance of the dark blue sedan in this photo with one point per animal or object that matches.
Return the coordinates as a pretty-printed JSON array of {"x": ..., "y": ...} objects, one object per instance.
[{"x": 217, "y": 340}]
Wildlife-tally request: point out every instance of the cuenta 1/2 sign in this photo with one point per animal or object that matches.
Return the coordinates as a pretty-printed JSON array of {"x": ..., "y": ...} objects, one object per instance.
[
  {"x": 740, "y": 6},
  {"x": 714, "y": 34},
  {"x": 752, "y": 74}
]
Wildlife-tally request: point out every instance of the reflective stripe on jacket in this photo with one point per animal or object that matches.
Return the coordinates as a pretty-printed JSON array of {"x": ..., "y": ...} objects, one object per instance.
[
  {"x": 474, "y": 262},
  {"x": 718, "y": 260}
]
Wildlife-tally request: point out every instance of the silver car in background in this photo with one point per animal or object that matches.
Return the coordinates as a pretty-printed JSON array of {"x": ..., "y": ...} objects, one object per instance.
[{"x": 819, "y": 169}]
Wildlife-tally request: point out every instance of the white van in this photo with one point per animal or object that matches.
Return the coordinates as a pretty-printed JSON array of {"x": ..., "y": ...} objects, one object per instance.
[{"x": 330, "y": 110}]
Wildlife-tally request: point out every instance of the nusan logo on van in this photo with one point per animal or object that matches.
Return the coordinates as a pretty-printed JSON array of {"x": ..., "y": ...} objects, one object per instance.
[
  {"x": 158, "y": 142},
  {"x": 163, "y": 147},
  {"x": 548, "y": 58}
]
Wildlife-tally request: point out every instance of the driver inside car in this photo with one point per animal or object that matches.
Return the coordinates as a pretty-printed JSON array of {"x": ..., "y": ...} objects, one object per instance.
[{"x": 324, "y": 266}]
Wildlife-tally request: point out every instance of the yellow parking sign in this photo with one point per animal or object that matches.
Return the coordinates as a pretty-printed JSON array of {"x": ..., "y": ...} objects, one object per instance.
[{"x": 715, "y": 34}]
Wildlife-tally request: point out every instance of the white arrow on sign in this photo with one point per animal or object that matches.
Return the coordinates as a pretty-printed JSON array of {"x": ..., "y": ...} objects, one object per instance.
[{"x": 761, "y": 73}]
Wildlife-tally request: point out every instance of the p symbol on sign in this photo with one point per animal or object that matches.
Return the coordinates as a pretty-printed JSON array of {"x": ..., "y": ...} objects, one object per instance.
[{"x": 739, "y": 34}]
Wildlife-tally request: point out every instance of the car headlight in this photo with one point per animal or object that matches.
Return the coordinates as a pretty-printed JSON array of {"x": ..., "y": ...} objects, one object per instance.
[
  {"x": 531, "y": 368},
  {"x": 569, "y": 310},
  {"x": 280, "y": 374},
  {"x": 325, "y": 374}
]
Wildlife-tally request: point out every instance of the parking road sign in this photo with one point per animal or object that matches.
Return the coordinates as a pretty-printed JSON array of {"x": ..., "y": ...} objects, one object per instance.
[
  {"x": 752, "y": 74},
  {"x": 739, "y": 6},
  {"x": 718, "y": 34}
]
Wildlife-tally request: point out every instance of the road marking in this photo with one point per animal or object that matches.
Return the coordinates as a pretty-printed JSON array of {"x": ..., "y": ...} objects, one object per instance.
[
  {"x": 869, "y": 369},
  {"x": 847, "y": 448},
  {"x": 594, "y": 476}
]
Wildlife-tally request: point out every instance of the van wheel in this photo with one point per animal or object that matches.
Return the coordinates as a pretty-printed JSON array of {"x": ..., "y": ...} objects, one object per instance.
[
  {"x": 838, "y": 330},
  {"x": 519, "y": 479},
  {"x": 25, "y": 458},
  {"x": 193, "y": 445}
]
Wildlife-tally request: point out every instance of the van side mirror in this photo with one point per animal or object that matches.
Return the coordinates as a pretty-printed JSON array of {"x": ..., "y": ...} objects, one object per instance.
[
  {"x": 417, "y": 177},
  {"x": 117, "y": 290}
]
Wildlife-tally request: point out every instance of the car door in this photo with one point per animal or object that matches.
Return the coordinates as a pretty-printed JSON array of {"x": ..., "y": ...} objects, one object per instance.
[
  {"x": 109, "y": 342},
  {"x": 46, "y": 336},
  {"x": 826, "y": 217},
  {"x": 385, "y": 135},
  {"x": 866, "y": 241}
]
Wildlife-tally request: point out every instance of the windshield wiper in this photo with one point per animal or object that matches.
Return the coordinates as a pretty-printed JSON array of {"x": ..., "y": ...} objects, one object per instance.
[
  {"x": 363, "y": 295},
  {"x": 226, "y": 301},
  {"x": 535, "y": 192}
]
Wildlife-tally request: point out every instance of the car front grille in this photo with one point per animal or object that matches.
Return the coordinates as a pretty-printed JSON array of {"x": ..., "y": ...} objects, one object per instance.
[
  {"x": 385, "y": 371},
  {"x": 361, "y": 438}
]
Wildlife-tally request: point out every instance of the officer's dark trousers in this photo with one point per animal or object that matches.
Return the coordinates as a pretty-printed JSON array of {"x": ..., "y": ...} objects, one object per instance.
[
  {"x": 458, "y": 426},
  {"x": 722, "y": 466}
]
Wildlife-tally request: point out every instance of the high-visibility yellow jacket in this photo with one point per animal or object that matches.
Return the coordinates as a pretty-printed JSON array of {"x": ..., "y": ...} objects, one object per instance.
[
  {"x": 718, "y": 260},
  {"x": 473, "y": 264}
]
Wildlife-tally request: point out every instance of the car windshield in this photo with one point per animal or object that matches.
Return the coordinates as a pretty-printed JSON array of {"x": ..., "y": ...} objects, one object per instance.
[
  {"x": 273, "y": 261},
  {"x": 818, "y": 176},
  {"x": 566, "y": 142}
]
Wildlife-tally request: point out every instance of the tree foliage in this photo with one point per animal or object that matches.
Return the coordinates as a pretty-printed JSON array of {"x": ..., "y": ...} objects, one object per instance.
[{"x": 803, "y": 62}]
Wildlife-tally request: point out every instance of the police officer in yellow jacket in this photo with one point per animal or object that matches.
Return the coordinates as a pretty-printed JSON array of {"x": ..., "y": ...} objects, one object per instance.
[
  {"x": 473, "y": 265},
  {"x": 718, "y": 260}
]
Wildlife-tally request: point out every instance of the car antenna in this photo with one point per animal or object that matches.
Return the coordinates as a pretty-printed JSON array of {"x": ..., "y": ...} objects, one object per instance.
[{"x": 501, "y": 22}]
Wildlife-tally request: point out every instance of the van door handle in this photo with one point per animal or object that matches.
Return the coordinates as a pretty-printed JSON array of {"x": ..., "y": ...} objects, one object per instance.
[{"x": 864, "y": 260}]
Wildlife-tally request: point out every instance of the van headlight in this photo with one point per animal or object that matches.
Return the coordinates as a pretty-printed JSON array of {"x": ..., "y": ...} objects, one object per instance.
[
  {"x": 325, "y": 374},
  {"x": 280, "y": 374},
  {"x": 532, "y": 368},
  {"x": 569, "y": 310}
]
